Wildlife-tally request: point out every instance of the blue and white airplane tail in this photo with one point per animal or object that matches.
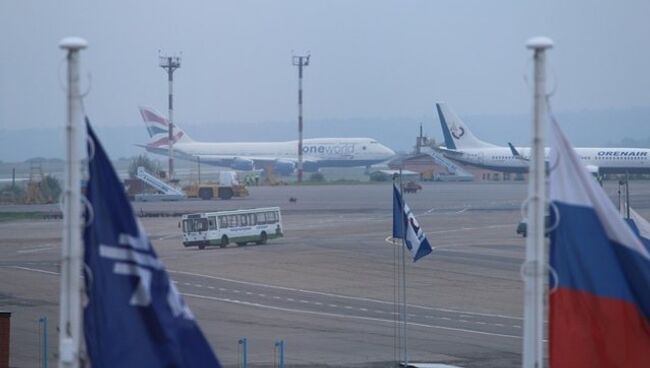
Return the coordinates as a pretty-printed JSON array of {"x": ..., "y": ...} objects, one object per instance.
[
  {"x": 158, "y": 128},
  {"x": 457, "y": 134}
]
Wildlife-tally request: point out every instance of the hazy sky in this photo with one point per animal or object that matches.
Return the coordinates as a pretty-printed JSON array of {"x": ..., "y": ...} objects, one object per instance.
[{"x": 370, "y": 58}]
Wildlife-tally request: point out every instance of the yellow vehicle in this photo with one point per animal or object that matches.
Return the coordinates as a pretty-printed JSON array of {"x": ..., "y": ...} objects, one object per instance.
[
  {"x": 227, "y": 188},
  {"x": 211, "y": 190}
]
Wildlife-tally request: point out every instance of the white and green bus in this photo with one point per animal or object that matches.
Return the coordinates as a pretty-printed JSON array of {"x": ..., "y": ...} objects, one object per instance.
[{"x": 241, "y": 227}]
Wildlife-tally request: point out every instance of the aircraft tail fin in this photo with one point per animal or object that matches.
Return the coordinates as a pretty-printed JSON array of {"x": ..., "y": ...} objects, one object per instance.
[
  {"x": 457, "y": 134},
  {"x": 158, "y": 128}
]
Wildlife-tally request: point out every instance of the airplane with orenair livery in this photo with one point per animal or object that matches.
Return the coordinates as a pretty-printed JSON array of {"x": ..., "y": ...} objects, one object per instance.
[
  {"x": 464, "y": 147},
  {"x": 279, "y": 157}
]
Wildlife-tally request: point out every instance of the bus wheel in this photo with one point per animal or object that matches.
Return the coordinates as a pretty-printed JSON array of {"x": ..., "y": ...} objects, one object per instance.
[
  {"x": 241, "y": 244},
  {"x": 201, "y": 246},
  {"x": 263, "y": 238},
  {"x": 224, "y": 241}
]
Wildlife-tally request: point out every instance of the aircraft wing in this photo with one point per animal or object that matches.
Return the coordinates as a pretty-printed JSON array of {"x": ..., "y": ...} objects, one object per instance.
[
  {"x": 261, "y": 159},
  {"x": 516, "y": 153},
  {"x": 448, "y": 152},
  {"x": 256, "y": 159}
]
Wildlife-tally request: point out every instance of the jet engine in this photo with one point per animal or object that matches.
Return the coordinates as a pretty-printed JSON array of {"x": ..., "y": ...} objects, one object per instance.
[
  {"x": 242, "y": 164},
  {"x": 284, "y": 168}
]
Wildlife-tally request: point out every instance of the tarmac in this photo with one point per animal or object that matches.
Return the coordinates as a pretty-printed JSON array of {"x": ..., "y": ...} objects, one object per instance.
[{"x": 327, "y": 289}]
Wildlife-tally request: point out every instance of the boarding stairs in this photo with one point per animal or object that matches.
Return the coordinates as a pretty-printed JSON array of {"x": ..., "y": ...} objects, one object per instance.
[
  {"x": 167, "y": 192},
  {"x": 457, "y": 172}
]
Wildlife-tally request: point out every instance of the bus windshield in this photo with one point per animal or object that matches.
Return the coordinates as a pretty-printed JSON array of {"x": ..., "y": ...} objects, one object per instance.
[{"x": 195, "y": 225}]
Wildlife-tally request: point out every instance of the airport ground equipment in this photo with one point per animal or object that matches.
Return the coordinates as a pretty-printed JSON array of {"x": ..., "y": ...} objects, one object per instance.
[
  {"x": 412, "y": 187},
  {"x": 166, "y": 192},
  {"x": 458, "y": 173},
  {"x": 256, "y": 225},
  {"x": 227, "y": 188}
]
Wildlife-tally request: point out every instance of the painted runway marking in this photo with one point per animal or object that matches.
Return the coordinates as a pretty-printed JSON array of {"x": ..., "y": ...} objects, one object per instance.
[
  {"x": 236, "y": 301},
  {"x": 351, "y": 297},
  {"x": 35, "y": 250},
  {"x": 335, "y": 315},
  {"x": 35, "y": 270}
]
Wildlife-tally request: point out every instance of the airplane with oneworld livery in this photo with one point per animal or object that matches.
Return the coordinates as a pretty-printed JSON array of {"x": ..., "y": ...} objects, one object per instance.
[
  {"x": 277, "y": 157},
  {"x": 464, "y": 147}
]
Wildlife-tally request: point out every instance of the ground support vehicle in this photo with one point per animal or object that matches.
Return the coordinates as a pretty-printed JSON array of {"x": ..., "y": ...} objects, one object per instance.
[{"x": 257, "y": 225}]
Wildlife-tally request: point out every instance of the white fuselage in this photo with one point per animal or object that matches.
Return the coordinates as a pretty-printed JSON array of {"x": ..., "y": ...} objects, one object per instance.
[
  {"x": 603, "y": 160},
  {"x": 322, "y": 152}
]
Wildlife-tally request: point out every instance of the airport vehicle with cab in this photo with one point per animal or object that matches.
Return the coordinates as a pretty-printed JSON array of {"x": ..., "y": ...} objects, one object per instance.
[{"x": 221, "y": 228}]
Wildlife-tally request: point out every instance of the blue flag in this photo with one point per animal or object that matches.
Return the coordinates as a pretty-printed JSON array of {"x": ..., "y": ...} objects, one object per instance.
[
  {"x": 406, "y": 227},
  {"x": 134, "y": 315}
]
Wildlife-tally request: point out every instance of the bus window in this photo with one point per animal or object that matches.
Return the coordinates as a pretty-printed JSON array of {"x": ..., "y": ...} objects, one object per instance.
[
  {"x": 232, "y": 221},
  {"x": 260, "y": 219},
  {"x": 223, "y": 222},
  {"x": 252, "y": 218},
  {"x": 243, "y": 220},
  {"x": 201, "y": 224},
  {"x": 212, "y": 223},
  {"x": 270, "y": 217},
  {"x": 185, "y": 226}
]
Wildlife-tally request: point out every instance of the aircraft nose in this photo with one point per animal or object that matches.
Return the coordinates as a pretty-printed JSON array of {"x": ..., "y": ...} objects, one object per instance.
[{"x": 388, "y": 151}]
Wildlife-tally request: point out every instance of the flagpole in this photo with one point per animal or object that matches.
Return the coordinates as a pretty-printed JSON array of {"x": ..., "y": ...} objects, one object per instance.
[
  {"x": 404, "y": 312},
  {"x": 533, "y": 353},
  {"x": 70, "y": 294}
]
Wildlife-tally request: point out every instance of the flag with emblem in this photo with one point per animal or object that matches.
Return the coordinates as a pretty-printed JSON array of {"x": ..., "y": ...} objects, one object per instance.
[
  {"x": 134, "y": 316},
  {"x": 406, "y": 226}
]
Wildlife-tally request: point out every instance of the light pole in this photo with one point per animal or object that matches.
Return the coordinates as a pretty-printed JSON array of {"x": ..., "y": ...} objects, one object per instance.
[
  {"x": 170, "y": 64},
  {"x": 300, "y": 62}
]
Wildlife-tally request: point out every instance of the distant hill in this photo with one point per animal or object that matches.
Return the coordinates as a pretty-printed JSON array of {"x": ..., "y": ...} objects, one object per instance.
[{"x": 630, "y": 127}]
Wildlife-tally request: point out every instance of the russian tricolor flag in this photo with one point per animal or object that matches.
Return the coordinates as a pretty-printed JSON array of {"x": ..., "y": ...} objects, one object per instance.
[{"x": 600, "y": 301}]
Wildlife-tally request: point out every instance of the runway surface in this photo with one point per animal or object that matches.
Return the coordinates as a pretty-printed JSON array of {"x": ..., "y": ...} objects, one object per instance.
[{"x": 327, "y": 288}]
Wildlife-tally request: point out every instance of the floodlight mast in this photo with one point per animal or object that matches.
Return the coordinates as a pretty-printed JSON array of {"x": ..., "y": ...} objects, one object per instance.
[
  {"x": 300, "y": 62},
  {"x": 170, "y": 64}
]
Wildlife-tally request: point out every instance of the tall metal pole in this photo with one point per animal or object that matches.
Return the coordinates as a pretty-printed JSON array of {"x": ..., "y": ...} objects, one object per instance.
[
  {"x": 71, "y": 250},
  {"x": 170, "y": 64},
  {"x": 533, "y": 352},
  {"x": 300, "y": 62},
  {"x": 404, "y": 311}
]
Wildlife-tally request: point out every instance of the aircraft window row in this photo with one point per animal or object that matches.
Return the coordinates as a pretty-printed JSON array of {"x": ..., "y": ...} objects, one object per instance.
[
  {"x": 248, "y": 219},
  {"x": 627, "y": 158}
]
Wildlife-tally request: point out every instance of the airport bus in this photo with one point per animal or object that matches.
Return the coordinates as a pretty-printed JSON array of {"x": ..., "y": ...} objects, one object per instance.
[{"x": 240, "y": 226}]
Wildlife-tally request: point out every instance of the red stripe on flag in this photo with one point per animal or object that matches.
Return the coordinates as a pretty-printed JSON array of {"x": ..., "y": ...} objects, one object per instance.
[{"x": 592, "y": 332}]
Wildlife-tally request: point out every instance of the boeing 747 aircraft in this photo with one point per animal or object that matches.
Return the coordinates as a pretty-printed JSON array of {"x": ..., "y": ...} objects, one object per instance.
[
  {"x": 281, "y": 157},
  {"x": 464, "y": 147}
]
